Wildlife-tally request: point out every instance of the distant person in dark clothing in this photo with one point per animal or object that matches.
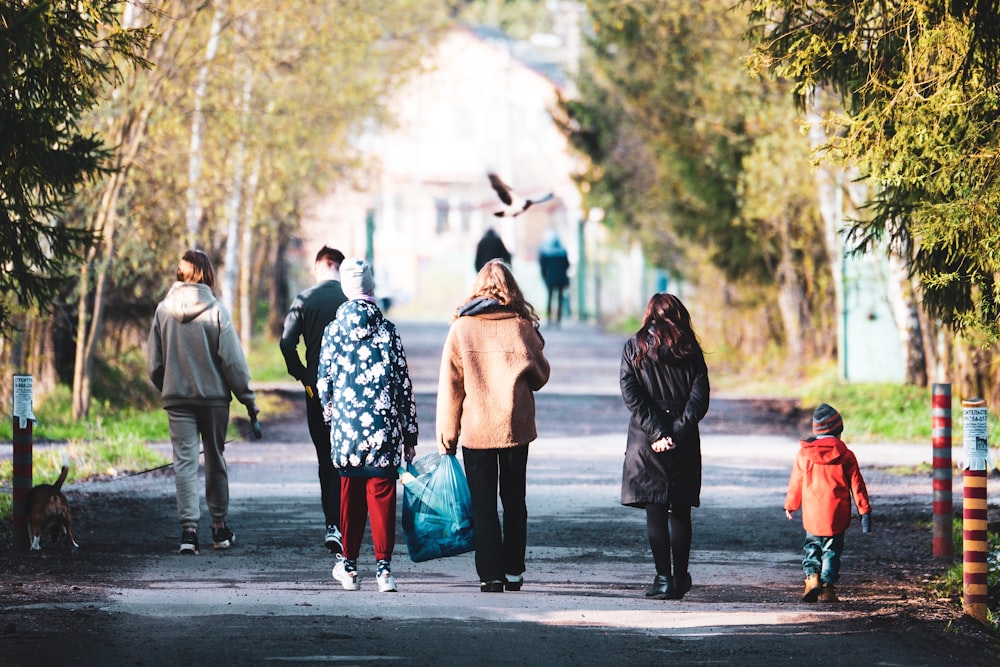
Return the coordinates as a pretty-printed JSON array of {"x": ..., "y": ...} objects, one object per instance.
[
  {"x": 311, "y": 312},
  {"x": 554, "y": 262},
  {"x": 491, "y": 247}
]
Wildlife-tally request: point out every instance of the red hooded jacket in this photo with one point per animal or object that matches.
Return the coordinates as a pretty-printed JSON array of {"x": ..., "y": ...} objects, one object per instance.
[{"x": 824, "y": 478}]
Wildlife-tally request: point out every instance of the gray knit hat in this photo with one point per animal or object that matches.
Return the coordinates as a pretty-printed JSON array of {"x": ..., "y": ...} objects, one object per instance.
[
  {"x": 827, "y": 421},
  {"x": 356, "y": 279}
]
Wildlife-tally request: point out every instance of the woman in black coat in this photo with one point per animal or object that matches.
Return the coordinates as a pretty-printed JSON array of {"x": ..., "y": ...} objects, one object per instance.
[{"x": 664, "y": 382}]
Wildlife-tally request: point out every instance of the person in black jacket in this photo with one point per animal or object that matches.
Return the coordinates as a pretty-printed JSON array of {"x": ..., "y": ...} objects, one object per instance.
[
  {"x": 307, "y": 318},
  {"x": 554, "y": 263},
  {"x": 664, "y": 382},
  {"x": 491, "y": 246}
]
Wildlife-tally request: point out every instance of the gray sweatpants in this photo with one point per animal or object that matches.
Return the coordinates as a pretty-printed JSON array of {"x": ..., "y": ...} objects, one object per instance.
[{"x": 190, "y": 426}]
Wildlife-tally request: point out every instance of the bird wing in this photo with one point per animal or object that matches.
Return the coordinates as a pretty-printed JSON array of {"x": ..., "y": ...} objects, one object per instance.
[
  {"x": 502, "y": 189},
  {"x": 541, "y": 199}
]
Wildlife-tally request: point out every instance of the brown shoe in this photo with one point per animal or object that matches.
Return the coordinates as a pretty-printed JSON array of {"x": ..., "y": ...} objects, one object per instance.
[
  {"x": 828, "y": 594},
  {"x": 813, "y": 588}
]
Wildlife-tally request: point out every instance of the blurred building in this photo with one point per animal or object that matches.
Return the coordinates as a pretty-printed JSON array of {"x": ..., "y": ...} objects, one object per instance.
[{"x": 483, "y": 105}]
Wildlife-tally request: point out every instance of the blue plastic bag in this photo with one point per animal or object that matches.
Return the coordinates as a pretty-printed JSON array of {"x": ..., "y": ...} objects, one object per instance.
[{"x": 437, "y": 511}]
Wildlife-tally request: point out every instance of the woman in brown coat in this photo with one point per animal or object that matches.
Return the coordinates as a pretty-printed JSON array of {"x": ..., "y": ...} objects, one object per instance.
[
  {"x": 664, "y": 382},
  {"x": 491, "y": 364}
]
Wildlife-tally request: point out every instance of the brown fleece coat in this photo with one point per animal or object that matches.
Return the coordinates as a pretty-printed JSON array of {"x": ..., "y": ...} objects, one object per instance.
[{"x": 491, "y": 364}]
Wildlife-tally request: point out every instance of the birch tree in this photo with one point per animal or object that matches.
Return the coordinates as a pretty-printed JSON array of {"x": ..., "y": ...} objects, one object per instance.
[{"x": 129, "y": 108}]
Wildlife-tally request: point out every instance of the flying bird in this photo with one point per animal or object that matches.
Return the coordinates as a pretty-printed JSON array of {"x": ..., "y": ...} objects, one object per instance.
[{"x": 514, "y": 204}]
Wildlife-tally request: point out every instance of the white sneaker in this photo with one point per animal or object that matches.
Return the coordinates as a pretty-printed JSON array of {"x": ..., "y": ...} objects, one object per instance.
[
  {"x": 386, "y": 582},
  {"x": 346, "y": 572}
]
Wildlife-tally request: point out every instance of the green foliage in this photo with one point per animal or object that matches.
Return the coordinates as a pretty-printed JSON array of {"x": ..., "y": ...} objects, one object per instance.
[
  {"x": 266, "y": 363},
  {"x": 518, "y": 18},
  {"x": 113, "y": 418},
  {"x": 691, "y": 155},
  {"x": 55, "y": 60},
  {"x": 314, "y": 77},
  {"x": 874, "y": 412},
  {"x": 919, "y": 88}
]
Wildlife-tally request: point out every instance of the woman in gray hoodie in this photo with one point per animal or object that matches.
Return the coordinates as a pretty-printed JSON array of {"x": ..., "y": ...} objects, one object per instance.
[{"x": 197, "y": 363}]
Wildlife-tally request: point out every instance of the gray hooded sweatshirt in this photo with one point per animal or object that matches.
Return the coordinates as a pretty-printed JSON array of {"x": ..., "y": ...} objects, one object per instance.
[{"x": 195, "y": 357}]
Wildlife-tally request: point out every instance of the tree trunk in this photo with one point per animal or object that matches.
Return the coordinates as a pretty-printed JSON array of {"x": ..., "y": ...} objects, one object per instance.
[
  {"x": 247, "y": 276},
  {"x": 194, "y": 213},
  {"x": 933, "y": 337},
  {"x": 905, "y": 311},
  {"x": 277, "y": 286},
  {"x": 830, "y": 190},
  {"x": 127, "y": 133},
  {"x": 99, "y": 259},
  {"x": 231, "y": 266},
  {"x": 791, "y": 301}
]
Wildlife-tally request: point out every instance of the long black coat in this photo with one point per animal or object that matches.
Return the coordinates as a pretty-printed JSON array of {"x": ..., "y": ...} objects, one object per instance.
[{"x": 665, "y": 400}]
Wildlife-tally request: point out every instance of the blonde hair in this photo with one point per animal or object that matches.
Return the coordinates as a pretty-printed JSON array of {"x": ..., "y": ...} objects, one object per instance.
[
  {"x": 495, "y": 281},
  {"x": 196, "y": 267}
]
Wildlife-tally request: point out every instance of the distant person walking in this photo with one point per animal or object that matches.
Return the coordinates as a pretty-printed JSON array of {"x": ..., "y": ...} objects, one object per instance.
[
  {"x": 554, "y": 263},
  {"x": 197, "y": 364},
  {"x": 825, "y": 478},
  {"x": 491, "y": 246},
  {"x": 367, "y": 398},
  {"x": 311, "y": 311},
  {"x": 664, "y": 382},
  {"x": 491, "y": 364}
]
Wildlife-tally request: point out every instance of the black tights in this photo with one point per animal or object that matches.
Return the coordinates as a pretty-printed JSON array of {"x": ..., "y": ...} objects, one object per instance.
[{"x": 669, "y": 530}]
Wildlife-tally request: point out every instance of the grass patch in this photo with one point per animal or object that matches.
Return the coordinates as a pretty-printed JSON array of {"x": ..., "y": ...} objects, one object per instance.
[
  {"x": 107, "y": 457},
  {"x": 924, "y": 469},
  {"x": 873, "y": 411},
  {"x": 108, "y": 419},
  {"x": 266, "y": 363},
  {"x": 125, "y": 415}
]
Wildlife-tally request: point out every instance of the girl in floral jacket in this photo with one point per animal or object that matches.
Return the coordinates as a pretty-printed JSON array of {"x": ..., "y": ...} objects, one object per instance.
[{"x": 367, "y": 397}]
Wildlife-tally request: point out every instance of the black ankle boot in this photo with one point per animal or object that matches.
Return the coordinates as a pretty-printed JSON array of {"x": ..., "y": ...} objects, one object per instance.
[
  {"x": 681, "y": 585},
  {"x": 661, "y": 588}
]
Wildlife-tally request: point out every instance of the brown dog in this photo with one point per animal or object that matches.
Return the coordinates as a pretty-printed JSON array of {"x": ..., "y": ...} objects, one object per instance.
[{"x": 46, "y": 507}]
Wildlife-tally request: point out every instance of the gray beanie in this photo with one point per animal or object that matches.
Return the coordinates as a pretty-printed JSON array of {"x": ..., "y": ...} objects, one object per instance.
[
  {"x": 827, "y": 421},
  {"x": 356, "y": 279}
]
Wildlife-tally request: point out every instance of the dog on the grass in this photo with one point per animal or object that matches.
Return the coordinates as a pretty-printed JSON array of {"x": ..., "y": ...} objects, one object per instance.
[{"x": 48, "y": 510}]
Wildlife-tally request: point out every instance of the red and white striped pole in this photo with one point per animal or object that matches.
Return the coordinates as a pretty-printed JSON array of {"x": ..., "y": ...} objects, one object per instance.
[
  {"x": 942, "y": 475},
  {"x": 975, "y": 465},
  {"x": 23, "y": 419}
]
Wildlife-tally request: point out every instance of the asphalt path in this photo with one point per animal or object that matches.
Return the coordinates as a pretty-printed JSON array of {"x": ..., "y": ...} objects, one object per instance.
[{"x": 271, "y": 600}]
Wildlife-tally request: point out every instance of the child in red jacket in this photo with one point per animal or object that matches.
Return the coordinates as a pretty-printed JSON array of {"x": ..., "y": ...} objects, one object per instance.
[{"x": 824, "y": 478}]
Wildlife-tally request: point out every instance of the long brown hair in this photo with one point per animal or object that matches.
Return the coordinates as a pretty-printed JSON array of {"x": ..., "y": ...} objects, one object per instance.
[
  {"x": 196, "y": 267},
  {"x": 495, "y": 281},
  {"x": 666, "y": 333}
]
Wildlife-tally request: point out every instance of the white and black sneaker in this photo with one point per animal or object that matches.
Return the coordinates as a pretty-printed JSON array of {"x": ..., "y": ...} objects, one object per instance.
[
  {"x": 223, "y": 537},
  {"x": 189, "y": 542},
  {"x": 332, "y": 540},
  {"x": 383, "y": 574},
  {"x": 346, "y": 572}
]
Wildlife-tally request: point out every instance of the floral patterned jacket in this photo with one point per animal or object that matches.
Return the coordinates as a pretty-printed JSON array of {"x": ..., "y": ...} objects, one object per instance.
[{"x": 365, "y": 390}]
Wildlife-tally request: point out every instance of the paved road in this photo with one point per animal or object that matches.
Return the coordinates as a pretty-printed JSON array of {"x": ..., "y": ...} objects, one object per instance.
[{"x": 128, "y": 600}]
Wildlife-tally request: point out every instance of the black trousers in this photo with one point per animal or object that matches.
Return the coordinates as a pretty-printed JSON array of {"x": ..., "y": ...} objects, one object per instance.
[
  {"x": 669, "y": 532},
  {"x": 557, "y": 293},
  {"x": 498, "y": 551},
  {"x": 329, "y": 477}
]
